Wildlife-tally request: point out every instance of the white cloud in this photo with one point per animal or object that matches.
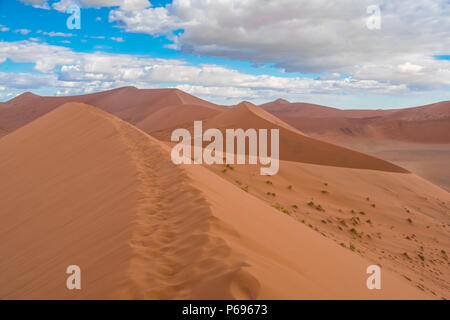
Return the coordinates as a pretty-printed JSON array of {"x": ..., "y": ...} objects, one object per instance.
[
  {"x": 41, "y": 4},
  {"x": 409, "y": 68},
  {"x": 126, "y": 5},
  {"x": 57, "y": 34},
  {"x": 117, "y": 39},
  {"x": 73, "y": 72},
  {"x": 23, "y": 31},
  {"x": 310, "y": 36},
  {"x": 3, "y": 28}
]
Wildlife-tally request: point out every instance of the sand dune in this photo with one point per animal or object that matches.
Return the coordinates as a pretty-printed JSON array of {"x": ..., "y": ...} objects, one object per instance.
[
  {"x": 427, "y": 160},
  {"x": 128, "y": 103},
  {"x": 417, "y": 139},
  {"x": 140, "y": 227},
  {"x": 366, "y": 209},
  {"x": 294, "y": 145},
  {"x": 425, "y": 124}
]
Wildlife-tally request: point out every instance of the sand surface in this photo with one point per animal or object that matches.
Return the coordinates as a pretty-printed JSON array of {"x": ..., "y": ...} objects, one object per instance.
[
  {"x": 142, "y": 108},
  {"x": 417, "y": 139},
  {"x": 293, "y": 144},
  {"x": 80, "y": 186}
]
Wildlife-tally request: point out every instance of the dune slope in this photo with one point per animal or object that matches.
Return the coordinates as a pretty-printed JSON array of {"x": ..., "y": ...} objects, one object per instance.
[
  {"x": 80, "y": 186},
  {"x": 294, "y": 145},
  {"x": 133, "y": 105},
  {"x": 417, "y": 139}
]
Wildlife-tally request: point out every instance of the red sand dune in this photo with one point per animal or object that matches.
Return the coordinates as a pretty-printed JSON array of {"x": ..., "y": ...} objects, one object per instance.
[
  {"x": 428, "y": 124},
  {"x": 294, "y": 146},
  {"x": 417, "y": 139},
  {"x": 80, "y": 186},
  {"x": 139, "y": 107}
]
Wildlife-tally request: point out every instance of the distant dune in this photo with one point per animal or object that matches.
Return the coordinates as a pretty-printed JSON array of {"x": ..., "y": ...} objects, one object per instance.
[
  {"x": 80, "y": 186},
  {"x": 427, "y": 124},
  {"x": 138, "y": 107},
  {"x": 294, "y": 145},
  {"x": 417, "y": 139}
]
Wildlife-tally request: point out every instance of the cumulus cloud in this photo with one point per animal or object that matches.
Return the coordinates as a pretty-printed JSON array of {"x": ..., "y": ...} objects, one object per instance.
[
  {"x": 71, "y": 72},
  {"x": 41, "y": 4},
  {"x": 310, "y": 36},
  {"x": 62, "y": 5}
]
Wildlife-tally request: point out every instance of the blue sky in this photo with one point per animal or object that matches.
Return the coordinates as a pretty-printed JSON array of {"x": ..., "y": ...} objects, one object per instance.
[{"x": 228, "y": 51}]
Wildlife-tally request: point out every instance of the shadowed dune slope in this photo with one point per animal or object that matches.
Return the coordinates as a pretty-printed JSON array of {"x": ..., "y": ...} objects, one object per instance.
[
  {"x": 82, "y": 187},
  {"x": 294, "y": 145},
  {"x": 417, "y": 139}
]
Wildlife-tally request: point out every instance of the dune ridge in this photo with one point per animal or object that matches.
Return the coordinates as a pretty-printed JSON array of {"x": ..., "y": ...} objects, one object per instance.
[
  {"x": 133, "y": 105},
  {"x": 177, "y": 254}
]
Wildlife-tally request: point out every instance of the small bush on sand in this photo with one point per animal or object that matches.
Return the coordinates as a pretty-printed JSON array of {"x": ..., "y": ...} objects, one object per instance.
[{"x": 279, "y": 207}]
